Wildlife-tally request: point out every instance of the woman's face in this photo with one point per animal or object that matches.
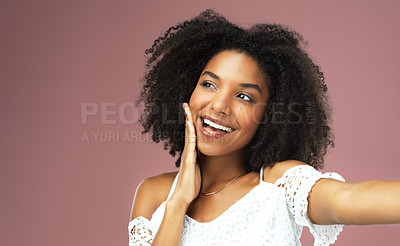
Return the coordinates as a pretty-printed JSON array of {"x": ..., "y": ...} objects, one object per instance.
[{"x": 228, "y": 103}]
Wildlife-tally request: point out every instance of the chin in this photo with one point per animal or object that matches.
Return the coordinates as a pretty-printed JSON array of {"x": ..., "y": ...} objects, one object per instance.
[
  {"x": 209, "y": 150},
  {"x": 216, "y": 149}
]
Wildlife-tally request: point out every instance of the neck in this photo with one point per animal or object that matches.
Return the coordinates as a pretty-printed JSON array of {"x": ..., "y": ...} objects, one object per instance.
[{"x": 218, "y": 169}]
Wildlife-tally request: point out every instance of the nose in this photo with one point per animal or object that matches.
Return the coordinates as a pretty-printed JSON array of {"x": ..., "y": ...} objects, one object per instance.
[{"x": 221, "y": 104}]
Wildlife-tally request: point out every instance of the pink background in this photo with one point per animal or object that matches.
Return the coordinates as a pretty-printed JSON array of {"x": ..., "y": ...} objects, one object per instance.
[{"x": 56, "y": 56}]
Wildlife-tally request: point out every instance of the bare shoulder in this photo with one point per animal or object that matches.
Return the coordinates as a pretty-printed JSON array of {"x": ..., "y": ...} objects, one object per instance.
[
  {"x": 150, "y": 193},
  {"x": 271, "y": 174}
]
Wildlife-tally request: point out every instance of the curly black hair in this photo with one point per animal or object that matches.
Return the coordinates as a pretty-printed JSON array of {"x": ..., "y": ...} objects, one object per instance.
[{"x": 296, "y": 122}]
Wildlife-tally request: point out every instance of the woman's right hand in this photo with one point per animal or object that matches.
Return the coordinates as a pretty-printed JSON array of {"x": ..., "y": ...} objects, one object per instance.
[{"x": 189, "y": 181}]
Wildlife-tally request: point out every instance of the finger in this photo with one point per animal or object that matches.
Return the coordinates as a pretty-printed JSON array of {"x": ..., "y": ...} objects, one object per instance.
[
  {"x": 189, "y": 130},
  {"x": 190, "y": 134},
  {"x": 188, "y": 112}
]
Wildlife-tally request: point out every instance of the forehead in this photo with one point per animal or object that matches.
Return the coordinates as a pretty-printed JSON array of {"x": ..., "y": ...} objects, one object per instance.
[{"x": 236, "y": 66}]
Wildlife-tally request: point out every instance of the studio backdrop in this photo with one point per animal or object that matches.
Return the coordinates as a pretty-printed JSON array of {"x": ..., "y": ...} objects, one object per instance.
[{"x": 71, "y": 151}]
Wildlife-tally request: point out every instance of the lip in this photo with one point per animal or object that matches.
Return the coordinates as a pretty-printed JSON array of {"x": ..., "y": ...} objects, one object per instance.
[
  {"x": 216, "y": 121},
  {"x": 212, "y": 135}
]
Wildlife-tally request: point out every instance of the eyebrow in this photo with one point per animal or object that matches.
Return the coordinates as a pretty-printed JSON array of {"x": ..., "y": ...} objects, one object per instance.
[{"x": 244, "y": 85}]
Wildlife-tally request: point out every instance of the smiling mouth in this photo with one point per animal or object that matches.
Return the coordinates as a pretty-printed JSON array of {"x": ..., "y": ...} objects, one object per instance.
[{"x": 214, "y": 130}]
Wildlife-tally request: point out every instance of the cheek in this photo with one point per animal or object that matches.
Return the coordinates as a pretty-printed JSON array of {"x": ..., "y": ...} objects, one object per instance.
[
  {"x": 252, "y": 116},
  {"x": 198, "y": 99},
  {"x": 195, "y": 102},
  {"x": 259, "y": 114},
  {"x": 192, "y": 98},
  {"x": 195, "y": 96}
]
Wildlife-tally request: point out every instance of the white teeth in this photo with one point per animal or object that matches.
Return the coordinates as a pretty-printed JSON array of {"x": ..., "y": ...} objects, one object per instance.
[{"x": 215, "y": 125}]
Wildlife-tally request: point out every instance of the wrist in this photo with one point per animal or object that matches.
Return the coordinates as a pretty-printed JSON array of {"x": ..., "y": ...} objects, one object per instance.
[{"x": 176, "y": 205}]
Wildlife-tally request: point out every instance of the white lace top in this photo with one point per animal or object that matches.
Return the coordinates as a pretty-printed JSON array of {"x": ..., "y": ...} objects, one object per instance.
[{"x": 269, "y": 214}]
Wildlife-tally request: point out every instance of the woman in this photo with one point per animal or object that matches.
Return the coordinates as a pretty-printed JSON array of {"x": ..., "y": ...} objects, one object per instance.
[{"x": 255, "y": 132}]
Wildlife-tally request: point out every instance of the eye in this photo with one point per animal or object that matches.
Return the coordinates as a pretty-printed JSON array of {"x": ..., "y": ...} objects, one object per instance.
[
  {"x": 245, "y": 97},
  {"x": 207, "y": 84}
]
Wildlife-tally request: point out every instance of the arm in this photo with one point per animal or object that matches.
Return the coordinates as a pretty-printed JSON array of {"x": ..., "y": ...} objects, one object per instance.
[
  {"x": 368, "y": 202},
  {"x": 148, "y": 195},
  {"x": 187, "y": 189},
  {"x": 171, "y": 226}
]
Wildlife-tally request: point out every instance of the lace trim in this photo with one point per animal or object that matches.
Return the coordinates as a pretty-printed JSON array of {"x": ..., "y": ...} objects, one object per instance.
[
  {"x": 298, "y": 182},
  {"x": 139, "y": 232},
  {"x": 263, "y": 217}
]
